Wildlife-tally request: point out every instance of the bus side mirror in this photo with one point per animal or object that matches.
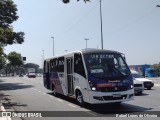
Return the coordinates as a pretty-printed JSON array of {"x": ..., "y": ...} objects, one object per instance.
[{"x": 123, "y": 56}]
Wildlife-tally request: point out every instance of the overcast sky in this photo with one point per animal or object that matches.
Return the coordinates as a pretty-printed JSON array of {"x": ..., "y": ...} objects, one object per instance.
[{"x": 129, "y": 26}]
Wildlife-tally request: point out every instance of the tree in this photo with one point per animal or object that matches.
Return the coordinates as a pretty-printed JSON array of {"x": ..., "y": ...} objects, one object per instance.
[
  {"x": 67, "y": 1},
  {"x": 15, "y": 59},
  {"x": 2, "y": 57},
  {"x": 32, "y": 65},
  {"x": 157, "y": 66},
  {"x": 8, "y": 14}
]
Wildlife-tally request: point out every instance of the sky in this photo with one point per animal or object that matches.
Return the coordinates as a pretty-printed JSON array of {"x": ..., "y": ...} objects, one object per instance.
[{"x": 129, "y": 26}]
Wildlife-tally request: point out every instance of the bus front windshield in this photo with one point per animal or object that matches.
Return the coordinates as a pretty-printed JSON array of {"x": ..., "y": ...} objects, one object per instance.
[{"x": 106, "y": 65}]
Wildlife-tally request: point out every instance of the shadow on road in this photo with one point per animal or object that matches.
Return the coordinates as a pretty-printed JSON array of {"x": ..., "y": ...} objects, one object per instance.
[
  {"x": 13, "y": 86},
  {"x": 6, "y": 102},
  {"x": 105, "y": 109}
]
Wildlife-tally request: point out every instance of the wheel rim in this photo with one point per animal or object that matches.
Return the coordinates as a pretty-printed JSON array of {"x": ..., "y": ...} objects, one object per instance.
[{"x": 79, "y": 97}]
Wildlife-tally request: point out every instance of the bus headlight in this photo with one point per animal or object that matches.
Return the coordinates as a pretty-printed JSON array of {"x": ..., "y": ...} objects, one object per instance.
[{"x": 93, "y": 88}]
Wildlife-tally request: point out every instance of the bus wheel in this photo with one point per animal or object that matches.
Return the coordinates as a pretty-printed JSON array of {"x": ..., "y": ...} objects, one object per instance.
[
  {"x": 54, "y": 90},
  {"x": 149, "y": 88},
  {"x": 79, "y": 98}
]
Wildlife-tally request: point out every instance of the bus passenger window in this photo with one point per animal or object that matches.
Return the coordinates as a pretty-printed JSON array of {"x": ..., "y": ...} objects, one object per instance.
[
  {"x": 78, "y": 65},
  {"x": 61, "y": 64},
  {"x": 44, "y": 66}
]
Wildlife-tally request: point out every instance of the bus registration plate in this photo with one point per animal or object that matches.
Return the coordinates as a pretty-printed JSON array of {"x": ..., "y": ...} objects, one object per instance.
[{"x": 116, "y": 95}]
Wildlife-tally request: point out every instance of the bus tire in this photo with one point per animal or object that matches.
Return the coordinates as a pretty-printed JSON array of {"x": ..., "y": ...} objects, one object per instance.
[
  {"x": 54, "y": 91},
  {"x": 79, "y": 98},
  {"x": 149, "y": 88}
]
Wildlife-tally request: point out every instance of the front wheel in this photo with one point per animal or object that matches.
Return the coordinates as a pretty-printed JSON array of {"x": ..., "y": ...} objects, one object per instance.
[{"x": 79, "y": 98}]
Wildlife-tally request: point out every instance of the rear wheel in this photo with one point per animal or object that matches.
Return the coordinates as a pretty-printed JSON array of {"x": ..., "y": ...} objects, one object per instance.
[
  {"x": 54, "y": 90},
  {"x": 148, "y": 88},
  {"x": 79, "y": 98}
]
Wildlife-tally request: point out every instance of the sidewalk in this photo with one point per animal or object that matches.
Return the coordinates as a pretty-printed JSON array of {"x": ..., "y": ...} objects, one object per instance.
[{"x": 2, "y": 108}]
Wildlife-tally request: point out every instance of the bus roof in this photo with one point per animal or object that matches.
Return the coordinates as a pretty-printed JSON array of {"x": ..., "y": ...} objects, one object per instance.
[
  {"x": 93, "y": 50},
  {"x": 86, "y": 51}
]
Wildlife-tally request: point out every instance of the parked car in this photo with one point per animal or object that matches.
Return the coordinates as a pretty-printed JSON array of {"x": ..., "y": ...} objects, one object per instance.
[
  {"x": 138, "y": 86},
  {"x": 146, "y": 82}
]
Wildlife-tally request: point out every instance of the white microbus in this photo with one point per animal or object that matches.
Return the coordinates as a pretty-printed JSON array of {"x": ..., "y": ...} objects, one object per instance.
[{"x": 90, "y": 75}]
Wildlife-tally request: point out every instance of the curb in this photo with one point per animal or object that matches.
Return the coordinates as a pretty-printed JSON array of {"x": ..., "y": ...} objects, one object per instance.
[{"x": 3, "y": 110}]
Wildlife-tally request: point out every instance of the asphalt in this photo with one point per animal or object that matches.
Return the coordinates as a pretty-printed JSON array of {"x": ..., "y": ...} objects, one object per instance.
[{"x": 3, "y": 101}]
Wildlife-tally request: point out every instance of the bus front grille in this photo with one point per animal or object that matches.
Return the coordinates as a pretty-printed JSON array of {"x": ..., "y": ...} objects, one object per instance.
[{"x": 114, "y": 89}]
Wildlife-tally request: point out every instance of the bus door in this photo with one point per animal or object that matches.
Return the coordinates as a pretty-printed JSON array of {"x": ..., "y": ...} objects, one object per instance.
[{"x": 69, "y": 64}]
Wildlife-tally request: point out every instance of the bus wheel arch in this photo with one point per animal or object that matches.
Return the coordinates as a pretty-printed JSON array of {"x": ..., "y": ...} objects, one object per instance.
[
  {"x": 79, "y": 97},
  {"x": 53, "y": 90}
]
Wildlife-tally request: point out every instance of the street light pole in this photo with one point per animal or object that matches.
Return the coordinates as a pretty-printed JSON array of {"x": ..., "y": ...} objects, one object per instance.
[
  {"x": 101, "y": 24},
  {"x": 86, "y": 41},
  {"x": 42, "y": 57},
  {"x": 43, "y": 54},
  {"x": 53, "y": 45}
]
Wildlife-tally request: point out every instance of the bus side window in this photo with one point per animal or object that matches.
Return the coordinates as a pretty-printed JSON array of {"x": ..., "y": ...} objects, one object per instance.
[
  {"x": 51, "y": 65},
  {"x": 48, "y": 66},
  {"x": 55, "y": 65},
  {"x": 61, "y": 64},
  {"x": 78, "y": 65},
  {"x": 44, "y": 67}
]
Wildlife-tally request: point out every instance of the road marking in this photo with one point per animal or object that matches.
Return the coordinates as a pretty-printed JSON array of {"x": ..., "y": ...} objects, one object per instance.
[
  {"x": 39, "y": 91},
  {"x": 157, "y": 85},
  {"x": 72, "y": 105},
  {"x": 45, "y": 93},
  {"x": 34, "y": 89},
  {"x": 51, "y": 96},
  {"x": 59, "y": 100}
]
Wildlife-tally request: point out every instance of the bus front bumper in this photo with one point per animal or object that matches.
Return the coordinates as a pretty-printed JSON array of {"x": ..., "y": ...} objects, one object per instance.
[{"x": 96, "y": 97}]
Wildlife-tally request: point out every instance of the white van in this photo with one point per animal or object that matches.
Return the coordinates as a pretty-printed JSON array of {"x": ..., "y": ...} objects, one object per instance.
[{"x": 146, "y": 82}]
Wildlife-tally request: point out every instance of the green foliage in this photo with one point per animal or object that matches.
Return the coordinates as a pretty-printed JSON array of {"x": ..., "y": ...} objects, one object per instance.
[
  {"x": 157, "y": 66},
  {"x": 2, "y": 57},
  {"x": 2, "y": 61},
  {"x": 8, "y": 14},
  {"x": 31, "y": 65},
  {"x": 15, "y": 59}
]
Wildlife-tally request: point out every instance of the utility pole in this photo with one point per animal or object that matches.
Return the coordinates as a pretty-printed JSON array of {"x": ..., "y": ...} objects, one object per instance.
[
  {"x": 53, "y": 45},
  {"x": 42, "y": 57},
  {"x": 86, "y": 41},
  {"x": 43, "y": 54},
  {"x": 101, "y": 24}
]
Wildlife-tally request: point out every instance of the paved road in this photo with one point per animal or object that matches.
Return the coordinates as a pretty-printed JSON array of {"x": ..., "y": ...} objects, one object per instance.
[{"x": 28, "y": 94}]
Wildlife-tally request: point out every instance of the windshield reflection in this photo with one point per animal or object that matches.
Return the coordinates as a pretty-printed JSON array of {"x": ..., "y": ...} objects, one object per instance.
[{"x": 106, "y": 65}]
